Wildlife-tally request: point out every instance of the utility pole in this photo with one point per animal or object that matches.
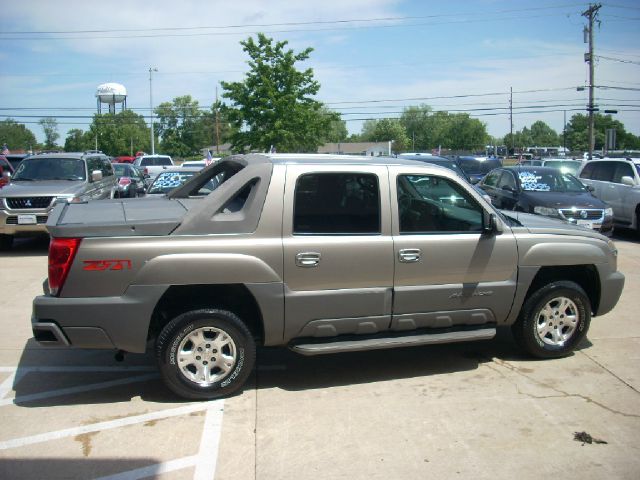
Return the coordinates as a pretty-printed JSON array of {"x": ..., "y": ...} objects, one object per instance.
[
  {"x": 511, "y": 119},
  {"x": 564, "y": 132},
  {"x": 591, "y": 13},
  {"x": 217, "y": 126},
  {"x": 153, "y": 147}
]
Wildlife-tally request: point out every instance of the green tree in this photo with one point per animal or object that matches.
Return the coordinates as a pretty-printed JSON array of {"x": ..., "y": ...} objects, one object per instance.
[
  {"x": 214, "y": 130},
  {"x": 76, "y": 141},
  {"x": 578, "y": 133},
  {"x": 337, "y": 131},
  {"x": 118, "y": 133},
  {"x": 16, "y": 135},
  {"x": 520, "y": 140},
  {"x": 429, "y": 130},
  {"x": 50, "y": 127},
  {"x": 386, "y": 130},
  {"x": 274, "y": 106},
  {"x": 182, "y": 127},
  {"x": 542, "y": 135},
  {"x": 417, "y": 123}
]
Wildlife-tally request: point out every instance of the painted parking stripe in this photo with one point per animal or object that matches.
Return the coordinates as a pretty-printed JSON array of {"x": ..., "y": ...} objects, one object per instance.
[
  {"x": 154, "y": 470},
  {"x": 7, "y": 385},
  {"x": 209, "y": 443},
  {"x": 79, "y": 389},
  {"x": 74, "y": 369},
  {"x": 121, "y": 422}
]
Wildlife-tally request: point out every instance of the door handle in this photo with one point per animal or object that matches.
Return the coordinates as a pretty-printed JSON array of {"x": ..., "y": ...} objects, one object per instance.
[
  {"x": 307, "y": 259},
  {"x": 409, "y": 255}
]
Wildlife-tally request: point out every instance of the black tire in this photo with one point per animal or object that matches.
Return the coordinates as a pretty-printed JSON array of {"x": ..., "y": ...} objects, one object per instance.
[
  {"x": 556, "y": 335},
  {"x": 6, "y": 242},
  {"x": 180, "y": 336}
]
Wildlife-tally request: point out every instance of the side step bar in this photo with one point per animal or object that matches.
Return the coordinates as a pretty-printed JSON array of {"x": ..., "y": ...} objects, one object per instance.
[{"x": 351, "y": 345}]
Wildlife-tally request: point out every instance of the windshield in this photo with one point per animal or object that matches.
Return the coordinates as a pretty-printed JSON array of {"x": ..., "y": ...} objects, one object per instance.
[
  {"x": 156, "y": 161},
  {"x": 549, "y": 181},
  {"x": 564, "y": 166},
  {"x": 121, "y": 169},
  {"x": 451, "y": 165},
  {"x": 40, "y": 169},
  {"x": 473, "y": 166},
  {"x": 167, "y": 181}
]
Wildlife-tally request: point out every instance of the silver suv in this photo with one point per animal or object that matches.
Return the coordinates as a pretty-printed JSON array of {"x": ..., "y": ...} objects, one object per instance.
[
  {"x": 616, "y": 181},
  {"x": 42, "y": 181}
]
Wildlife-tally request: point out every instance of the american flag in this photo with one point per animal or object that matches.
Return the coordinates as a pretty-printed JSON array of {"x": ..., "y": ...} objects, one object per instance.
[{"x": 5, "y": 150}]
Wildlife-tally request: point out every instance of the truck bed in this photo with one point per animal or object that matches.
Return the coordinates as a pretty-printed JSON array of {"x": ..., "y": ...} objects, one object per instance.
[{"x": 120, "y": 217}]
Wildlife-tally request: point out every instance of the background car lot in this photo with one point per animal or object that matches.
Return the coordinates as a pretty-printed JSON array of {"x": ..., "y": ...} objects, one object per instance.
[{"x": 477, "y": 410}]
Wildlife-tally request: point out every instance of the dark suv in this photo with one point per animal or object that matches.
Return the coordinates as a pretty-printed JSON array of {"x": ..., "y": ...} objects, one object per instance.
[
  {"x": 41, "y": 181},
  {"x": 477, "y": 167}
]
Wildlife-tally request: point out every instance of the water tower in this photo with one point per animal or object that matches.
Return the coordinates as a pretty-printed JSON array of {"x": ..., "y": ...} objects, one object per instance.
[{"x": 111, "y": 94}]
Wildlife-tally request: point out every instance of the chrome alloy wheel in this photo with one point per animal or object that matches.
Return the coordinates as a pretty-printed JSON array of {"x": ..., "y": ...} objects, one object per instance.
[
  {"x": 206, "y": 355},
  {"x": 557, "y": 321}
]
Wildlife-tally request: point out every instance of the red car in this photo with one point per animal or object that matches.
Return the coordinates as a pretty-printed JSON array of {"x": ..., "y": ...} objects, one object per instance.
[
  {"x": 6, "y": 171},
  {"x": 124, "y": 159}
]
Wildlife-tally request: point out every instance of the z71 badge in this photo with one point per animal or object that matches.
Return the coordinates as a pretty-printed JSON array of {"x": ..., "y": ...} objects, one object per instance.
[{"x": 102, "y": 265}]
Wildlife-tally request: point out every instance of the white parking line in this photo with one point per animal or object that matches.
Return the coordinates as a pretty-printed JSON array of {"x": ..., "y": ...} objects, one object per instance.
[
  {"x": 74, "y": 369},
  {"x": 154, "y": 470},
  {"x": 121, "y": 422},
  {"x": 209, "y": 443},
  {"x": 79, "y": 389},
  {"x": 7, "y": 385}
]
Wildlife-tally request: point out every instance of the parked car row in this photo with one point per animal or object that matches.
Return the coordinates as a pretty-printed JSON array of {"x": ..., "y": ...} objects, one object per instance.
[
  {"x": 597, "y": 194},
  {"x": 40, "y": 182}
]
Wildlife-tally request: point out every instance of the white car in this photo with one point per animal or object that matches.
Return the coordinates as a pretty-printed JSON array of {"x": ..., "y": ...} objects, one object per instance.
[
  {"x": 616, "y": 181},
  {"x": 152, "y": 165}
]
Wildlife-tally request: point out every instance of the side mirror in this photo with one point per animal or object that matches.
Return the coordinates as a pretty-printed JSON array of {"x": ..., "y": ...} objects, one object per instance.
[
  {"x": 508, "y": 188},
  {"x": 96, "y": 175},
  {"x": 590, "y": 188},
  {"x": 628, "y": 181},
  {"x": 490, "y": 224}
]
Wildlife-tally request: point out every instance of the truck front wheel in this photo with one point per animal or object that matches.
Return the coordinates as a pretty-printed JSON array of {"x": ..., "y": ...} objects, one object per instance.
[
  {"x": 554, "y": 320},
  {"x": 205, "y": 354}
]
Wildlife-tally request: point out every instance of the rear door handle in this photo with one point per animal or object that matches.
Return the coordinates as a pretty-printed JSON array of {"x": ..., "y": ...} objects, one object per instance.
[
  {"x": 307, "y": 259},
  {"x": 409, "y": 255}
]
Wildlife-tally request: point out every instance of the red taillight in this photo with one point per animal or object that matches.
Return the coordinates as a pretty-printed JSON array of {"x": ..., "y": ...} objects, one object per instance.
[
  {"x": 124, "y": 181},
  {"x": 61, "y": 254}
]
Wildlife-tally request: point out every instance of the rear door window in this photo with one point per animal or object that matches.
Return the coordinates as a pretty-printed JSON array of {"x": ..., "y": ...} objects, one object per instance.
[
  {"x": 337, "y": 204},
  {"x": 603, "y": 171},
  {"x": 623, "y": 169}
]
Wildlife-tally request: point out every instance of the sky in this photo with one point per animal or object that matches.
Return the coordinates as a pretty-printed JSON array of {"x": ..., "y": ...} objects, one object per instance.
[{"x": 373, "y": 58}]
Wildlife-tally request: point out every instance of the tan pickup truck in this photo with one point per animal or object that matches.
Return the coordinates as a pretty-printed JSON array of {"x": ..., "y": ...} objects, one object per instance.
[{"x": 320, "y": 254}]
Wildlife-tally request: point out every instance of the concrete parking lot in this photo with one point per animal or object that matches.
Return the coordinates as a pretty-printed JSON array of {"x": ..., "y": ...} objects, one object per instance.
[{"x": 476, "y": 410}]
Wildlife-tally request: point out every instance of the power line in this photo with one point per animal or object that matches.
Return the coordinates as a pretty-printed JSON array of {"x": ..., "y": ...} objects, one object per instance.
[
  {"x": 306, "y": 30},
  {"x": 288, "y": 24},
  {"x": 616, "y": 59}
]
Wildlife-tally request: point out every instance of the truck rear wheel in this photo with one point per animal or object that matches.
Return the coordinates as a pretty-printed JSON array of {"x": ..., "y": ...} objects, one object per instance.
[
  {"x": 205, "y": 354},
  {"x": 554, "y": 320}
]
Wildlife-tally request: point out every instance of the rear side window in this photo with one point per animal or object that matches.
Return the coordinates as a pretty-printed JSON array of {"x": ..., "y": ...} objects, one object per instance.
[
  {"x": 603, "y": 171},
  {"x": 155, "y": 161},
  {"x": 508, "y": 180},
  {"x": 623, "y": 169},
  {"x": 337, "y": 204},
  {"x": 491, "y": 180},
  {"x": 107, "y": 169},
  {"x": 93, "y": 164}
]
